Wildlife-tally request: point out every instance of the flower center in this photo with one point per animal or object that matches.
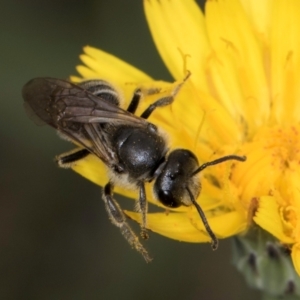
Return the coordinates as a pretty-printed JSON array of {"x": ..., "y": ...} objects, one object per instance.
[
  {"x": 283, "y": 145},
  {"x": 272, "y": 170}
]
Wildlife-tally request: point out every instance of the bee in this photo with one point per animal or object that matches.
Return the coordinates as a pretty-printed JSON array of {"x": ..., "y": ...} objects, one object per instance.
[{"x": 134, "y": 150}]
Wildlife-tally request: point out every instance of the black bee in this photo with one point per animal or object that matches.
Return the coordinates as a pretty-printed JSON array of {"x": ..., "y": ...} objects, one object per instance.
[{"x": 133, "y": 149}]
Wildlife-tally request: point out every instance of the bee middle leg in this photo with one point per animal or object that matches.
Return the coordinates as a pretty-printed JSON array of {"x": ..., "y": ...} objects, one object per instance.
[
  {"x": 165, "y": 100},
  {"x": 135, "y": 101},
  {"x": 138, "y": 94},
  {"x": 118, "y": 218}
]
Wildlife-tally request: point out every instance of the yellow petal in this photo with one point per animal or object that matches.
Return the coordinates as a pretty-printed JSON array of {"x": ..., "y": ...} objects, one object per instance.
[
  {"x": 110, "y": 67},
  {"x": 268, "y": 217},
  {"x": 86, "y": 73},
  {"x": 225, "y": 85},
  {"x": 296, "y": 257},
  {"x": 259, "y": 13},
  {"x": 228, "y": 224},
  {"x": 93, "y": 169},
  {"x": 231, "y": 34},
  {"x": 178, "y": 30},
  {"x": 285, "y": 61},
  {"x": 219, "y": 127},
  {"x": 189, "y": 227}
]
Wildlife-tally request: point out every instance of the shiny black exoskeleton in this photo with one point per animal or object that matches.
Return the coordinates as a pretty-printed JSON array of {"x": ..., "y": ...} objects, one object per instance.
[
  {"x": 139, "y": 151},
  {"x": 171, "y": 184},
  {"x": 133, "y": 149}
]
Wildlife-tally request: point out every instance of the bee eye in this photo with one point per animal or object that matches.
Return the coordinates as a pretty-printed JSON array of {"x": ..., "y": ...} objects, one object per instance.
[{"x": 167, "y": 198}]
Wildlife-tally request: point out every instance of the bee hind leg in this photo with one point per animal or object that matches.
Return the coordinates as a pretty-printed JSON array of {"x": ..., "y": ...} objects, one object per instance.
[
  {"x": 142, "y": 207},
  {"x": 118, "y": 218},
  {"x": 66, "y": 160}
]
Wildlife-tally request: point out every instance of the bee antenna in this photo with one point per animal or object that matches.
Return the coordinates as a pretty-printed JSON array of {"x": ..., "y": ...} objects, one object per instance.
[
  {"x": 215, "y": 242},
  {"x": 217, "y": 161}
]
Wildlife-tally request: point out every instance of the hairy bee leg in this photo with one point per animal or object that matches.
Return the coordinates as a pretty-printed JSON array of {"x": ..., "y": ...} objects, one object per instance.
[
  {"x": 118, "y": 218},
  {"x": 142, "y": 207},
  {"x": 165, "y": 100},
  {"x": 137, "y": 96},
  {"x": 134, "y": 103},
  {"x": 66, "y": 160}
]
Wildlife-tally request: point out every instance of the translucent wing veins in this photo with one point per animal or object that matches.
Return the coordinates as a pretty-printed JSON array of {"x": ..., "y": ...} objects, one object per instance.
[{"x": 76, "y": 114}]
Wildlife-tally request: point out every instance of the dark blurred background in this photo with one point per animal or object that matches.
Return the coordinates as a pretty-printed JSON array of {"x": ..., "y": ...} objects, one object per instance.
[{"x": 56, "y": 241}]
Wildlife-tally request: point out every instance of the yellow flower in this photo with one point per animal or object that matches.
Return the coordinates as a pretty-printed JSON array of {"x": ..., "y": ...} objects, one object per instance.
[{"x": 242, "y": 98}]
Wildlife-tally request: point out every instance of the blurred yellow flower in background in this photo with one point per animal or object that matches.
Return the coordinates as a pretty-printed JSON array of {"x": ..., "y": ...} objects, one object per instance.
[{"x": 242, "y": 98}]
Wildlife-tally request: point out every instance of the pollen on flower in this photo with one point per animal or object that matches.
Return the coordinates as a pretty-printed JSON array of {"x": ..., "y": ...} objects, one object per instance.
[
  {"x": 285, "y": 146},
  {"x": 273, "y": 177}
]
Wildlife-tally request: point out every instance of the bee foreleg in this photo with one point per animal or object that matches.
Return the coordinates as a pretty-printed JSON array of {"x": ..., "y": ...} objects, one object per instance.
[
  {"x": 118, "y": 218},
  {"x": 66, "y": 160}
]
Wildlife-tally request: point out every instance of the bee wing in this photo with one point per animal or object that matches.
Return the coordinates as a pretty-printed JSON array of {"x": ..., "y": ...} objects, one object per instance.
[
  {"x": 54, "y": 101},
  {"x": 76, "y": 114}
]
